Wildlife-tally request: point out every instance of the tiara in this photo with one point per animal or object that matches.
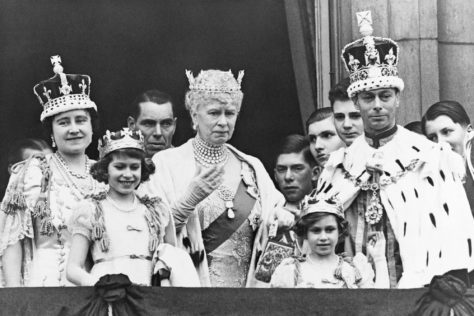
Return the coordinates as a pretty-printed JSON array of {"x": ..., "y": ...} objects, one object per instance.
[
  {"x": 332, "y": 205},
  {"x": 215, "y": 81},
  {"x": 126, "y": 138}
]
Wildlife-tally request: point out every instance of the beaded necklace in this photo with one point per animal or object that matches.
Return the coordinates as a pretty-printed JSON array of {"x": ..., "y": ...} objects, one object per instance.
[
  {"x": 65, "y": 166},
  {"x": 207, "y": 154},
  {"x": 91, "y": 187}
]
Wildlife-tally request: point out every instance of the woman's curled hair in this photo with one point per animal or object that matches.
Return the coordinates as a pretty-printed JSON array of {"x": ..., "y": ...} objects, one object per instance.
[{"x": 99, "y": 169}]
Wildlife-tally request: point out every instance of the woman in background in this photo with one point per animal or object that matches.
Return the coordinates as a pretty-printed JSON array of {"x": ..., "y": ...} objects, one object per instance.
[{"x": 447, "y": 121}]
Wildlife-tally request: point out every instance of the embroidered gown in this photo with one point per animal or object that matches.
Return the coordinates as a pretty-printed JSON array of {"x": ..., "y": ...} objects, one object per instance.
[
  {"x": 128, "y": 236},
  {"x": 237, "y": 255},
  {"x": 229, "y": 262},
  {"x": 50, "y": 196}
]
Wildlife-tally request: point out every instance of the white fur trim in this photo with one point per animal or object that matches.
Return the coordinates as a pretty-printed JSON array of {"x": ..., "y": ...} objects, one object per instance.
[{"x": 375, "y": 83}]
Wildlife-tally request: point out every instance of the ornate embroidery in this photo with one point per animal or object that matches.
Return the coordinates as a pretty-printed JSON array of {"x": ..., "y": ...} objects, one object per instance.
[{"x": 153, "y": 218}]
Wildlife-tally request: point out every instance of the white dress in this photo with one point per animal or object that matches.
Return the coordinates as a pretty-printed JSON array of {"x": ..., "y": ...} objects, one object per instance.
[
  {"x": 299, "y": 273},
  {"x": 44, "y": 255},
  {"x": 128, "y": 247}
]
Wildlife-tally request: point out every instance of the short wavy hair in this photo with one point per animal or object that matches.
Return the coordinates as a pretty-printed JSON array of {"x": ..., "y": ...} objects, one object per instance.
[
  {"x": 99, "y": 169},
  {"x": 452, "y": 109},
  {"x": 304, "y": 223}
]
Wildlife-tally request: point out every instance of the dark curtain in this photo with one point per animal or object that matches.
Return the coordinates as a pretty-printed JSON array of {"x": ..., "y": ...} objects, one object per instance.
[
  {"x": 128, "y": 47},
  {"x": 301, "y": 27}
]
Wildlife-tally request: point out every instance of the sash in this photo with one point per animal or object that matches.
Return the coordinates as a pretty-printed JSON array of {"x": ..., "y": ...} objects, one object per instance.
[{"x": 223, "y": 227}]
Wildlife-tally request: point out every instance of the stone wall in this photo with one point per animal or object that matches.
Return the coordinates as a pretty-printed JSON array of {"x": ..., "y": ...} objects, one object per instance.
[{"x": 436, "y": 40}]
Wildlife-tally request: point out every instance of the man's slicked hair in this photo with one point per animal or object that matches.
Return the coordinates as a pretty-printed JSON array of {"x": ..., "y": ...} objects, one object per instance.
[
  {"x": 155, "y": 96},
  {"x": 318, "y": 115}
]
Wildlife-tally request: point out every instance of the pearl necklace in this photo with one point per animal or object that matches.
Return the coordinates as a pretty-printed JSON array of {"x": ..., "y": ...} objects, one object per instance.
[
  {"x": 114, "y": 204},
  {"x": 77, "y": 175},
  {"x": 83, "y": 191},
  {"x": 207, "y": 154}
]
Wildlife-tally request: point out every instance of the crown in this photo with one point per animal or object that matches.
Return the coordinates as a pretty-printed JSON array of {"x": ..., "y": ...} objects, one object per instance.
[
  {"x": 331, "y": 205},
  {"x": 125, "y": 138},
  {"x": 215, "y": 81},
  {"x": 371, "y": 61},
  {"x": 63, "y": 92}
]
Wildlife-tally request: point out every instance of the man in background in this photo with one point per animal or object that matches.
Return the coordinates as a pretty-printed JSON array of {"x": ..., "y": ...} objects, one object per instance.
[
  {"x": 153, "y": 114},
  {"x": 322, "y": 135},
  {"x": 347, "y": 118},
  {"x": 293, "y": 172}
]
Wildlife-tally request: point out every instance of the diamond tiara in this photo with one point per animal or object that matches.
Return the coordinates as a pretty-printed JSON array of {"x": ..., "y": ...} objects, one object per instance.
[{"x": 216, "y": 81}]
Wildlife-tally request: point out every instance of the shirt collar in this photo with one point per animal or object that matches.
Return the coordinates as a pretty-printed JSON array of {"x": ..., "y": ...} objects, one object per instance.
[{"x": 378, "y": 140}]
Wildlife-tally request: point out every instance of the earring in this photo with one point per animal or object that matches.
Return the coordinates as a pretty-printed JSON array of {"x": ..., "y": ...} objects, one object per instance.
[
  {"x": 53, "y": 143},
  {"x": 195, "y": 126}
]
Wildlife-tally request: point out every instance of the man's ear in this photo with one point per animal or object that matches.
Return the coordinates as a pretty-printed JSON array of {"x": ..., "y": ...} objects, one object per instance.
[
  {"x": 315, "y": 172},
  {"x": 469, "y": 128},
  {"x": 131, "y": 123}
]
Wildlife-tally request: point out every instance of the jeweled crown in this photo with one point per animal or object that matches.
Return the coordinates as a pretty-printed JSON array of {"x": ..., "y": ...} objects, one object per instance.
[
  {"x": 63, "y": 92},
  {"x": 371, "y": 61},
  {"x": 215, "y": 81},
  {"x": 125, "y": 138},
  {"x": 331, "y": 205}
]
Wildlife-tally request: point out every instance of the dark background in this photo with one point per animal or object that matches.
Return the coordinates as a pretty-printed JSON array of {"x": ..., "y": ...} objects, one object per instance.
[{"x": 128, "y": 47}]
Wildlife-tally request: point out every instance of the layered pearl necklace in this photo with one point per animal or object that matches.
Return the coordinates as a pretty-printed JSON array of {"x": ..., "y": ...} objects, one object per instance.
[
  {"x": 81, "y": 187},
  {"x": 207, "y": 154},
  {"x": 77, "y": 175}
]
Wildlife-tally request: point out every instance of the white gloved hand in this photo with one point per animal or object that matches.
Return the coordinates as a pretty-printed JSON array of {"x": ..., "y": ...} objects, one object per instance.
[{"x": 204, "y": 182}]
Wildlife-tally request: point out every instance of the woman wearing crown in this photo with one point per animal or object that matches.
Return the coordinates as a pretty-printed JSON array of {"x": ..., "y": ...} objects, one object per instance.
[
  {"x": 44, "y": 190},
  {"x": 221, "y": 198},
  {"x": 124, "y": 232}
]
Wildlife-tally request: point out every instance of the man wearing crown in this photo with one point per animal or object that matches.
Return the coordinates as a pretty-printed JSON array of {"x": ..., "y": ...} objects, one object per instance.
[{"x": 396, "y": 181}]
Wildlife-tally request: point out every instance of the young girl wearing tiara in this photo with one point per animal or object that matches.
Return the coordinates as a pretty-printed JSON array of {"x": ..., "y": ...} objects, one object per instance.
[
  {"x": 125, "y": 233},
  {"x": 322, "y": 227}
]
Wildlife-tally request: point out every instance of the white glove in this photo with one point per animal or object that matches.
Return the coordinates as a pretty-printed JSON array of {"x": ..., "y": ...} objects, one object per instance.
[{"x": 205, "y": 181}]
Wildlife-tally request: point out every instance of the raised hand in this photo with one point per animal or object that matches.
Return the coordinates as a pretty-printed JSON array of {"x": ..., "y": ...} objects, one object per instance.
[{"x": 376, "y": 245}]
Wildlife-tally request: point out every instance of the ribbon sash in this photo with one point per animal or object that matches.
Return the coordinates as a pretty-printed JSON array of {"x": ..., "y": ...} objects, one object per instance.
[{"x": 223, "y": 227}]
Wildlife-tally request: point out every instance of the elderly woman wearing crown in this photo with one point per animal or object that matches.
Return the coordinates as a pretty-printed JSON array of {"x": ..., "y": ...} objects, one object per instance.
[
  {"x": 44, "y": 190},
  {"x": 395, "y": 181},
  {"x": 223, "y": 196}
]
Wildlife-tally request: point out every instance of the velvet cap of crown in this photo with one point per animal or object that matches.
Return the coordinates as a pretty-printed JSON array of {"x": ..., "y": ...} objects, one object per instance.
[
  {"x": 331, "y": 205},
  {"x": 215, "y": 81},
  {"x": 125, "y": 138},
  {"x": 371, "y": 61},
  {"x": 63, "y": 92}
]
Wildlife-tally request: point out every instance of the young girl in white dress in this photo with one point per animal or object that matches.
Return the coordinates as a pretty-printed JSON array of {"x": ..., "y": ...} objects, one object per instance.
[
  {"x": 125, "y": 233},
  {"x": 321, "y": 228}
]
